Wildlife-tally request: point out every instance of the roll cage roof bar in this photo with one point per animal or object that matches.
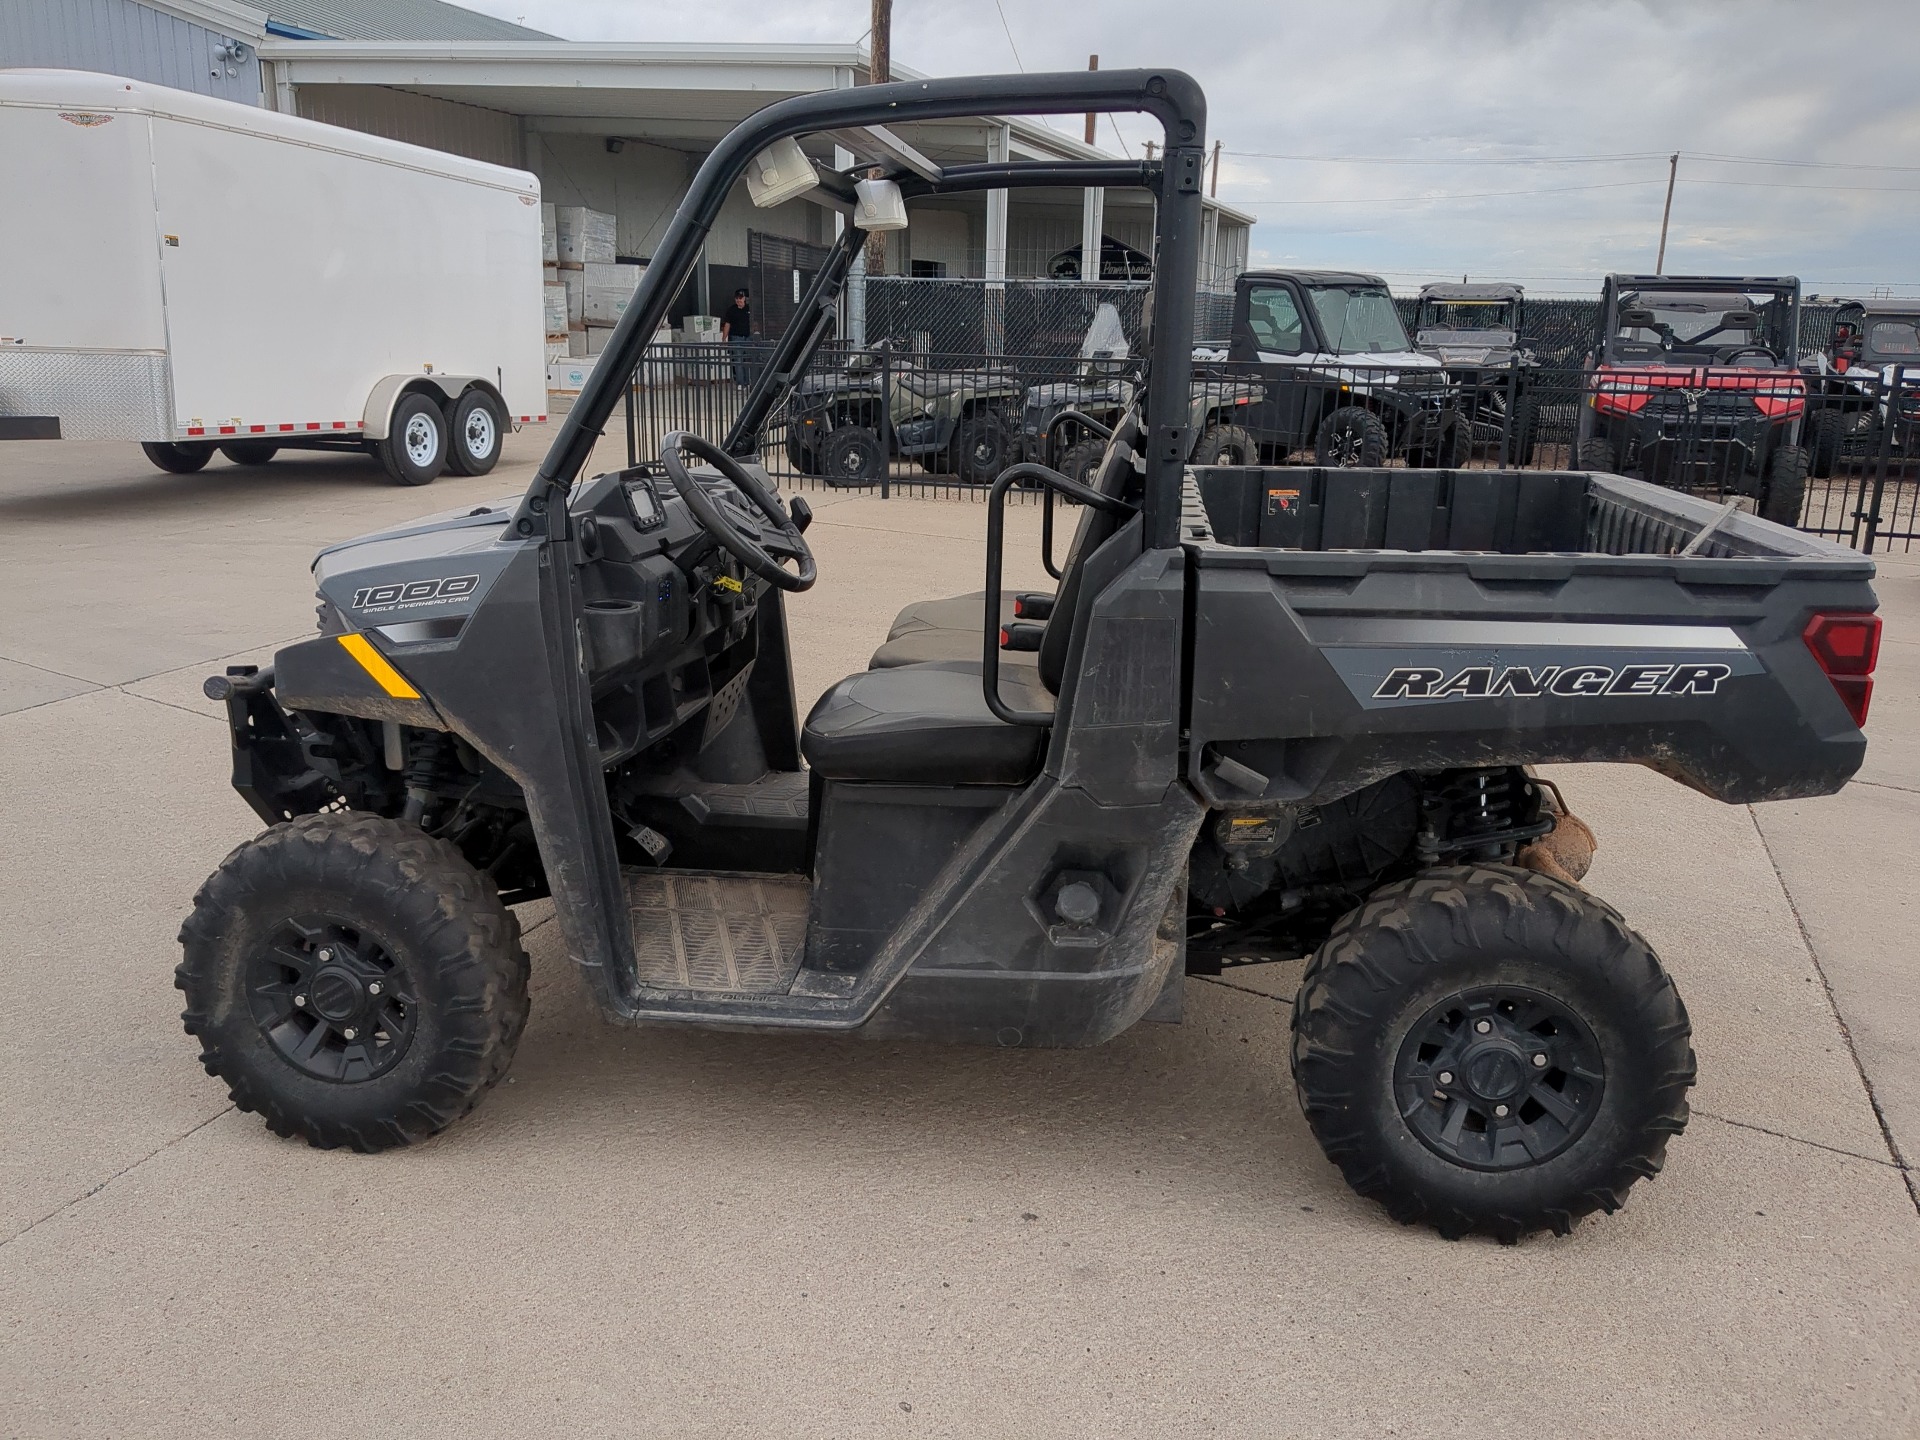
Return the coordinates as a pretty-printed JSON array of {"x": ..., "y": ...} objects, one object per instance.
[{"x": 1170, "y": 96}]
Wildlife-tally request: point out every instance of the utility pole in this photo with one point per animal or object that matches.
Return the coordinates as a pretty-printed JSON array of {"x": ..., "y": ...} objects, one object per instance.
[
  {"x": 1213, "y": 184},
  {"x": 1150, "y": 149},
  {"x": 879, "y": 71},
  {"x": 1673, "y": 171},
  {"x": 1093, "y": 63}
]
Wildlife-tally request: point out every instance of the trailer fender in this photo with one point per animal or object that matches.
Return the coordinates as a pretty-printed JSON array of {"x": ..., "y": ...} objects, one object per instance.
[{"x": 378, "y": 415}]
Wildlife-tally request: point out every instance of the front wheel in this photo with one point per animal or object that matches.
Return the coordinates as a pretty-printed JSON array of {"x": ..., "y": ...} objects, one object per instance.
[
  {"x": 1597, "y": 454},
  {"x": 1351, "y": 436},
  {"x": 1827, "y": 429},
  {"x": 980, "y": 445},
  {"x": 1226, "y": 445},
  {"x": 852, "y": 455},
  {"x": 1786, "y": 490},
  {"x": 1081, "y": 460},
  {"x": 178, "y": 459},
  {"x": 1482, "y": 1048},
  {"x": 353, "y": 980}
]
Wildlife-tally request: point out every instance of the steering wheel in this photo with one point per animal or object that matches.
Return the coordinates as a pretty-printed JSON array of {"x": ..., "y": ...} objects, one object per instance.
[
  {"x": 1734, "y": 353},
  {"x": 761, "y": 543}
]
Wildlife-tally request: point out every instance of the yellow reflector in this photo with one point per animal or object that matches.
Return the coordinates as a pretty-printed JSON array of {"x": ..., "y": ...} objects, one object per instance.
[{"x": 375, "y": 664}]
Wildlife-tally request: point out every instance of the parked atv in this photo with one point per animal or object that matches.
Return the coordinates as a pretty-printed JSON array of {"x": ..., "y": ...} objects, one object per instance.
[
  {"x": 1474, "y": 331},
  {"x": 1872, "y": 355},
  {"x": 1286, "y": 707},
  {"x": 956, "y": 421},
  {"x": 1065, "y": 423},
  {"x": 1692, "y": 384},
  {"x": 1342, "y": 383}
]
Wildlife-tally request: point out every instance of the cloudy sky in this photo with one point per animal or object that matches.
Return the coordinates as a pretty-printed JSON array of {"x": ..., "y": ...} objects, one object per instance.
[{"x": 1512, "y": 139}]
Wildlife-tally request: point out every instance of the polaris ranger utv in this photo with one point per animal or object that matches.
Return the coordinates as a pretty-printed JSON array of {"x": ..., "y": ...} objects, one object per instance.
[
  {"x": 1864, "y": 387},
  {"x": 1342, "y": 381},
  {"x": 1692, "y": 382},
  {"x": 1304, "y": 697},
  {"x": 1474, "y": 330}
]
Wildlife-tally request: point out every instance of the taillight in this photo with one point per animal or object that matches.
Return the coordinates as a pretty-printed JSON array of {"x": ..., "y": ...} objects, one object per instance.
[{"x": 1847, "y": 648}]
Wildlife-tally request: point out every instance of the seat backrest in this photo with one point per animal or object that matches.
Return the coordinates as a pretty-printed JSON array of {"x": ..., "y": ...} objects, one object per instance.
[{"x": 1116, "y": 477}]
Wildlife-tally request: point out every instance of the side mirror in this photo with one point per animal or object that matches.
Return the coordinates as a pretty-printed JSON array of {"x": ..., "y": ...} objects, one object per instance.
[
  {"x": 879, "y": 205},
  {"x": 779, "y": 173}
]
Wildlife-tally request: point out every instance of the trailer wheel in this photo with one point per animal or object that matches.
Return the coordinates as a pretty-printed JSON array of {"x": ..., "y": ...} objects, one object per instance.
[
  {"x": 415, "y": 450},
  {"x": 353, "y": 980},
  {"x": 1786, "y": 490},
  {"x": 178, "y": 459},
  {"x": 477, "y": 430},
  {"x": 1482, "y": 1048},
  {"x": 250, "y": 452},
  {"x": 1351, "y": 436}
]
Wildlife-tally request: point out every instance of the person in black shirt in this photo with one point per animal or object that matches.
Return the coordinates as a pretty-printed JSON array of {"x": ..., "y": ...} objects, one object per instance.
[{"x": 736, "y": 328}]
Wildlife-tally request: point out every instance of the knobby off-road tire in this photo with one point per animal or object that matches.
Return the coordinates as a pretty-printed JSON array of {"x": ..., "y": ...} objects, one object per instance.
[
  {"x": 1351, "y": 436},
  {"x": 1597, "y": 454},
  {"x": 1826, "y": 434},
  {"x": 1226, "y": 445},
  {"x": 852, "y": 456},
  {"x": 345, "y": 922},
  {"x": 1080, "y": 460},
  {"x": 1785, "y": 494},
  {"x": 1469, "y": 988}
]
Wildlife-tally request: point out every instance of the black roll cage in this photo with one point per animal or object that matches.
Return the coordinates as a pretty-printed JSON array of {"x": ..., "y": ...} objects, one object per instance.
[{"x": 1170, "y": 96}]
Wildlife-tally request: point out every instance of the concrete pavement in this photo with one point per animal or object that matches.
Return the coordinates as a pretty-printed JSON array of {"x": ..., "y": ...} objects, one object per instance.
[{"x": 650, "y": 1232}]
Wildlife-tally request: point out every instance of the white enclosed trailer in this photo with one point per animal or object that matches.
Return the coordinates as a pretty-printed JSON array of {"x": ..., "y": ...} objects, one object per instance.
[{"x": 195, "y": 274}]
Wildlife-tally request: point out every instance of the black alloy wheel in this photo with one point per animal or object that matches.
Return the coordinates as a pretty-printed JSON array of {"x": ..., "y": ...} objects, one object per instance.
[
  {"x": 1499, "y": 1076},
  {"x": 331, "y": 999}
]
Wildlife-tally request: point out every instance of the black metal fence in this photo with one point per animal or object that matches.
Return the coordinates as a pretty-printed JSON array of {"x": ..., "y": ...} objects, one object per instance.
[{"x": 1837, "y": 455}]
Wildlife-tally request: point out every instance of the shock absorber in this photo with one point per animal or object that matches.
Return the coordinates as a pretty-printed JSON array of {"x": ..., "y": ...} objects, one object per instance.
[{"x": 430, "y": 761}]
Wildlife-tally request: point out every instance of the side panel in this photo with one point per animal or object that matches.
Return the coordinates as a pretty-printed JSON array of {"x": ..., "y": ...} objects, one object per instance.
[
  {"x": 1325, "y": 682},
  {"x": 303, "y": 275}
]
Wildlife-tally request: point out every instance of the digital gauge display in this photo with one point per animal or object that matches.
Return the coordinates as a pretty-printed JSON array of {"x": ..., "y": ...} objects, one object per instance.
[{"x": 644, "y": 504}]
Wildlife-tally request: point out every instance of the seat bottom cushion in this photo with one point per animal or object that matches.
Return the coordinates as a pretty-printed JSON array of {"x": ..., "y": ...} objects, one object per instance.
[
  {"x": 924, "y": 725},
  {"x": 946, "y": 647},
  {"x": 954, "y": 612}
]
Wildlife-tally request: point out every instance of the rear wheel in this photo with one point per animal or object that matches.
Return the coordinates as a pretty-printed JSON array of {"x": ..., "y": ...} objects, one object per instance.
[
  {"x": 250, "y": 452},
  {"x": 1351, "y": 436},
  {"x": 1487, "y": 1049},
  {"x": 1522, "y": 434},
  {"x": 980, "y": 445},
  {"x": 353, "y": 980},
  {"x": 1785, "y": 494},
  {"x": 178, "y": 459},
  {"x": 415, "y": 450},
  {"x": 1446, "y": 453},
  {"x": 851, "y": 456},
  {"x": 1226, "y": 445},
  {"x": 478, "y": 430}
]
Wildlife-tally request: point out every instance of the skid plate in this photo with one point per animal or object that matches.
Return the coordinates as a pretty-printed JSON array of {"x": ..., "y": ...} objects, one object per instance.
[{"x": 696, "y": 930}]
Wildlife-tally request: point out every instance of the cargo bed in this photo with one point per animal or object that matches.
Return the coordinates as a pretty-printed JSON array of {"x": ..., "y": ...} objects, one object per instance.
[{"x": 1350, "y": 624}]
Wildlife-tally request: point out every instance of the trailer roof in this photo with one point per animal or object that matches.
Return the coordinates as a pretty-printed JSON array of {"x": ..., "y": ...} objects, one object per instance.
[{"x": 96, "y": 94}]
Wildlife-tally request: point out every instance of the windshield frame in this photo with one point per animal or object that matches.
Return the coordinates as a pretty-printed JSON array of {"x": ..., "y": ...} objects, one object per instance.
[{"x": 1777, "y": 306}]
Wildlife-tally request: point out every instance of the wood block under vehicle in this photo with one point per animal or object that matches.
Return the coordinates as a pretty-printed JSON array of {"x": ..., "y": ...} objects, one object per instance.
[{"x": 740, "y": 934}]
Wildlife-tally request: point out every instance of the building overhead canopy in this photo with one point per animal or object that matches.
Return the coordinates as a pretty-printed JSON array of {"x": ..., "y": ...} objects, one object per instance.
[{"x": 390, "y": 20}]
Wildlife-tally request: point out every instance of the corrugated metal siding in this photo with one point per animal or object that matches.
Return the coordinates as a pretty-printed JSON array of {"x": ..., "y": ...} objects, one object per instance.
[
  {"x": 120, "y": 37},
  {"x": 469, "y": 130},
  {"x": 394, "y": 20}
]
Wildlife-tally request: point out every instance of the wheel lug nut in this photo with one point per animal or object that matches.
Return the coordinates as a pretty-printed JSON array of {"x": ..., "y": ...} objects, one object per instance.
[
  {"x": 1498, "y": 1109},
  {"x": 1540, "y": 1061},
  {"x": 326, "y": 954},
  {"x": 1446, "y": 1077},
  {"x": 350, "y": 1033},
  {"x": 1483, "y": 1026},
  {"x": 300, "y": 1000},
  {"x": 374, "y": 989}
]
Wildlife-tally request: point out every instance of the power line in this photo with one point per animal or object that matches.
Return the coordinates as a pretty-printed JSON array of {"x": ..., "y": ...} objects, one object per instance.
[
  {"x": 1614, "y": 159},
  {"x": 1010, "y": 45},
  {"x": 1467, "y": 195}
]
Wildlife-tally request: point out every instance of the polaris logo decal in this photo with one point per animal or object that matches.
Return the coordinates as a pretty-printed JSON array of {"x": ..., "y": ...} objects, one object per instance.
[
  {"x": 406, "y": 594},
  {"x": 1423, "y": 682}
]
